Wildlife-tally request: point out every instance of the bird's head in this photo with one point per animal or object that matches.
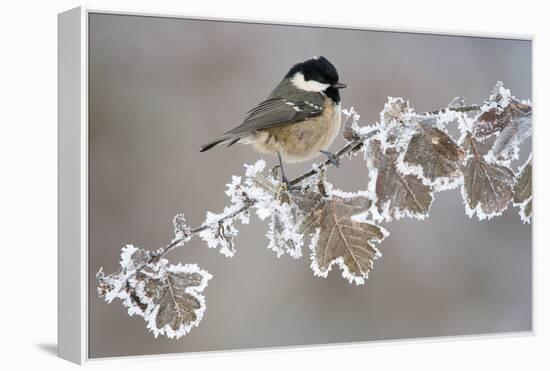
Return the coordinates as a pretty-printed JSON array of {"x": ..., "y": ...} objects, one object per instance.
[{"x": 316, "y": 74}]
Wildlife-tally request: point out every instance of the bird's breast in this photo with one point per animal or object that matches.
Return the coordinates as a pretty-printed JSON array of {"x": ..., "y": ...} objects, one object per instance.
[{"x": 303, "y": 140}]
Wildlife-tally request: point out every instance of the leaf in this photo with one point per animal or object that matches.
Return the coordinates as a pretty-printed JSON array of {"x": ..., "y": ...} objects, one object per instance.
[
  {"x": 397, "y": 195},
  {"x": 307, "y": 200},
  {"x": 494, "y": 119},
  {"x": 284, "y": 232},
  {"x": 507, "y": 118},
  {"x": 433, "y": 156},
  {"x": 350, "y": 128},
  {"x": 175, "y": 299},
  {"x": 336, "y": 238},
  {"x": 168, "y": 297},
  {"x": 506, "y": 146},
  {"x": 395, "y": 109},
  {"x": 487, "y": 188},
  {"x": 395, "y": 123},
  {"x": 131, "y": 259},
  {"x": 284, "y": 216},
  {"x": 523, "y": 197}
]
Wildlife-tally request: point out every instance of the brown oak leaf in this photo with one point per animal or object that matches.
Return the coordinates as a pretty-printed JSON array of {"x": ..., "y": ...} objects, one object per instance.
[
  {"x": 434, "y": 156},
  {"x": 176, "y": 303},
  {"x": 507, "y": 118},
  {"x": 487, "y": 188},
  {"x": 397, "y": 195},
  {"x": 336, "y": 238}
]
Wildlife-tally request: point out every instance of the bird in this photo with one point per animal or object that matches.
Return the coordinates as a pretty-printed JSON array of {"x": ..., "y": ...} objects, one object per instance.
[{"x": 299, "y": 119}]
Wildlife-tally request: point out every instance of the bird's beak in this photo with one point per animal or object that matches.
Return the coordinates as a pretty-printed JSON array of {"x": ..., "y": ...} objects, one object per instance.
[{"x": 339, "y": 85}]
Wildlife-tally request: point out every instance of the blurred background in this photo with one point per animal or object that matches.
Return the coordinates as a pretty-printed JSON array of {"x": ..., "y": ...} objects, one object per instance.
[{"x": 161, "y": 87}]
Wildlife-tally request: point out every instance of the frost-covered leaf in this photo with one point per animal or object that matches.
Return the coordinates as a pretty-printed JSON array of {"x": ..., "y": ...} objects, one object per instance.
[
  {"x": 487, "y": 188},
  {"x": 350, "y": 128},
  {"x": 434, "y": 156},
  {"x": 338, "y": 239},
  {"x": 396, "y": 109},
  {"x": 497, "y": 112},
  {"x": 397, "y": 195},
  {"x": 395, "y": 125},
  {"x": 307, "y": 201},
  {"x": 284, "y": 217},
  {"x": 517, "y": 129},
  {"x": 167, "y": 296},
  {"x": 131, "y": 259},
  {"x": 174, "y": 298},
  {"x": 507, "y": 118},
  {"x": 523, "y": 196}
]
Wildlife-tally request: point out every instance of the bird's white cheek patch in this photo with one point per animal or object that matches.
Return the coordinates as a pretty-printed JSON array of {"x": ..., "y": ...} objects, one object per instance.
[{"x": 309, "y": 85}]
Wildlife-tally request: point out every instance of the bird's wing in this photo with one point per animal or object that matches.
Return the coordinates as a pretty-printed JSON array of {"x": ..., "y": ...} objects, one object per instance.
[{"x": 276, "y": 111}]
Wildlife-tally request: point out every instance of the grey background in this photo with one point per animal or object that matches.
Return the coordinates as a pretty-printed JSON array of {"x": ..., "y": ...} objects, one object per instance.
[{"x": 161, "y": 87}]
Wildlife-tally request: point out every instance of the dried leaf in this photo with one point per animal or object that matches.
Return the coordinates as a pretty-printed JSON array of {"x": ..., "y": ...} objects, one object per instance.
[
  {"x": 307, "y": 201},
  {"x": 350, "y": 128},
  {"x": 434, "y": 156},
  {"x": 336, "y": 238},
  {"x": 175, "y": 297},
  {"x": 487, "y": 187},
  {"x": 168, "y": 297},
  {"x": 397, "y": 195},
  {"x": 131, "y": 259},
  {"x": 396, "y": 109},
  {"x": 523, "y": 196},
  {"x": 395, "y": 123},
  {"x": 507, "y": 118},
  {"x": 285, "y": 217},
  {"x": 496, "y": 118}
]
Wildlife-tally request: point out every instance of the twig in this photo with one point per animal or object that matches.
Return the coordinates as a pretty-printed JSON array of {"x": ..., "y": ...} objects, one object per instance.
[
  {"x": 350, "y": 147},
  {"x": 456, "y": 109}
]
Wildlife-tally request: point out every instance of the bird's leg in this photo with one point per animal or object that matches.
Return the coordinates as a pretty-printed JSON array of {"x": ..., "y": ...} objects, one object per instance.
[
  {"x": 331, "y": 157},
  {"x": 283, "y": 176}
]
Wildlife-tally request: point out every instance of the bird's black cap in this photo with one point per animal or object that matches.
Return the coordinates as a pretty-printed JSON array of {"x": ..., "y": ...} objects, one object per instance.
[{"x": 318, "y": 69}]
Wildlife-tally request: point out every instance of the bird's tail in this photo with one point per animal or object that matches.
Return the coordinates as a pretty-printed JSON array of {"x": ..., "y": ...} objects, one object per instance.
[{"x": 223, "y": 139}]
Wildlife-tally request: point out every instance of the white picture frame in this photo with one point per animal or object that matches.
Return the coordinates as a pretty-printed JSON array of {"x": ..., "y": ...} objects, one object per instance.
[{"x": 73, "y": 170}]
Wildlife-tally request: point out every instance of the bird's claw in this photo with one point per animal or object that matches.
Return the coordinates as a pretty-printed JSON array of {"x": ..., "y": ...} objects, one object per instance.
[
  {"x": 332, "y": 158},
  {"x": 286, "y": 184}
]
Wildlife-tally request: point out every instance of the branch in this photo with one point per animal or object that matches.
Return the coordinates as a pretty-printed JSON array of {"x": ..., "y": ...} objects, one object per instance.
[
  {"x": 409, "y": 158},
  {"x": 348, "y": 148}
]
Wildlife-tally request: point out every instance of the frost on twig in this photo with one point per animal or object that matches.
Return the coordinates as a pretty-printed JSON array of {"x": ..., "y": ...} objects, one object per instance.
[{"x": 409, "y": 158}]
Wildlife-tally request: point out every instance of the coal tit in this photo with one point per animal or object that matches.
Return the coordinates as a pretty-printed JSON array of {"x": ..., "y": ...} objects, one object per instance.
[{"x": 300, "y": 118}]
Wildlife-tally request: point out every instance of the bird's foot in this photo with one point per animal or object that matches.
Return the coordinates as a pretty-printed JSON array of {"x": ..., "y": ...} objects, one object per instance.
[
  {"x": 286, "y": 183},
  {"x": 283, "y": 189},
  {"x": 332, "y": 158}
]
